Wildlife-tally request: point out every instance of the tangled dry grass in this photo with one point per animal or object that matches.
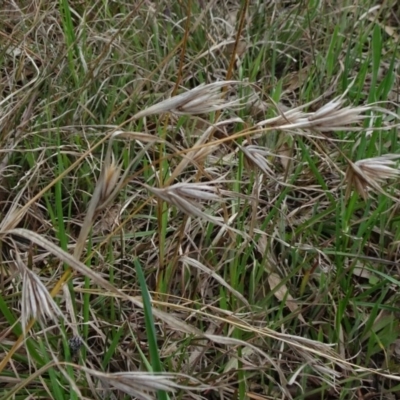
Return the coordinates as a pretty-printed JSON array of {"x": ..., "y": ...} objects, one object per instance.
[{"x": 199, "y": 200}]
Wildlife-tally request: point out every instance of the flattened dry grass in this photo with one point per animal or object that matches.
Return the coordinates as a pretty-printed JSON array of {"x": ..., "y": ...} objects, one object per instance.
[{"x": 199, "y": 200}]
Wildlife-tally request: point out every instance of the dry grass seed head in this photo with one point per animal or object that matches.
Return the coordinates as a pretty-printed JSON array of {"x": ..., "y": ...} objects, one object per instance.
[
  {"x": 198, "y": 151},
  {"x": 109, "y": 184},
  {"x": 142, "y": 385},
  {"x": 200, "y": 100},
  {"x": 187, "y": 197},
  {"x": 330, "y": 117},
  {"x": 36, "y": 300},
  {"x": 97, "y": 279},
  {"x": 109, "y": 177},
  {"x": 370, "y": 172},
  {"x": 257, "y": 155}
]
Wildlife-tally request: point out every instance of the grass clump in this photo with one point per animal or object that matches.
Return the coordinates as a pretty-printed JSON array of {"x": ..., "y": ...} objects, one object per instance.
[{"x": 199, "y": 200}]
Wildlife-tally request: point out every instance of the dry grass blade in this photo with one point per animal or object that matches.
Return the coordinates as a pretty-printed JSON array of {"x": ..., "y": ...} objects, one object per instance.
[
  {"x": 13, "y": 217},
  {"x": 197, "y": 264},
  {"x": 370, "y": 172},
  {"x": 36, "y": 301},
  {"x": 16, "y": 212},
  {"x": 329, "y": 374},
  {"x": 330, "y": 117},
  {"x": 200, "y": 100},
  {"x": 22, "y": 89},
  {"x": 237, "y": 342},
  {"x": 282, "y": 293},
  {"x": 295, "y": 342}
]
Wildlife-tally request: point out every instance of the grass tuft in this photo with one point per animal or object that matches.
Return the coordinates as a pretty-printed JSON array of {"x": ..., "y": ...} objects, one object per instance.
[{"x": 199, "y": 199}]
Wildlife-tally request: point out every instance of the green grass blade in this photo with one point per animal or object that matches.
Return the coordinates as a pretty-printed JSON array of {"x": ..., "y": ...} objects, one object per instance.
[{"x": 150, "y": 327}]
